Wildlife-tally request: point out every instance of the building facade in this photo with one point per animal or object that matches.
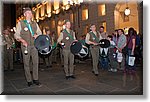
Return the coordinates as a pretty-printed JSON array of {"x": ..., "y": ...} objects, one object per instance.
[{"x": 111, "y": 15}]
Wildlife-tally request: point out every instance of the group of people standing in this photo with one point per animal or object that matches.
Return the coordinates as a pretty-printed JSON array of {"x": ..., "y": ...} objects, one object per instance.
[{"x": 27, "y": 31}]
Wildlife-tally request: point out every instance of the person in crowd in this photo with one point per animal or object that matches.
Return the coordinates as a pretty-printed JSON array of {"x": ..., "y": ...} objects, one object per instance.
[
  {"x": 120, "y": 45},
  {"x": 137, "y": 48},
  {"x": 8, "y": 50},
  {"x": 112, "y": 55},
  {"x": 102, "y": 33},
  {"x": 131, "y": 44}
]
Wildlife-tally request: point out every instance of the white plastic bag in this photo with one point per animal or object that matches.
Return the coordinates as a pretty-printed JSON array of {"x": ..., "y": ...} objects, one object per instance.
[
  {"x": 131, "y": 60},
  {"x": 119, "y": 57}
]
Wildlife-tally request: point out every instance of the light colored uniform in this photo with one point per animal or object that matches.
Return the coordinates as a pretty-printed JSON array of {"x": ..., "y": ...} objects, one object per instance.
[
  {"x": 68, "y": 56},
  {"x": 23, "y": 32},
  {"x": 94, "y": 49}
]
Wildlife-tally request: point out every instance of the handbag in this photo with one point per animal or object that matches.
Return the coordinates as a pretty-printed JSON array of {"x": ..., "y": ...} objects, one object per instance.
[{"x": 131, "y": 60}]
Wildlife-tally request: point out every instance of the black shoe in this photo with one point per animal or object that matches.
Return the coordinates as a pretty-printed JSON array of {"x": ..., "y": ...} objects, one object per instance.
[
  {"x": 72, "y": 76},
  {"x": 36, "y": 82},
  {"x": 92, "y": 71},
  {"x": 29, "y": 84},
  {"x": 96, "y": 74},
  {"x": 67, "y": 77}
]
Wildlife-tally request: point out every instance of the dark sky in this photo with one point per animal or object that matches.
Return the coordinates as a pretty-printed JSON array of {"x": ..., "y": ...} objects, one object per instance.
[{"x": 9, "y": 15}]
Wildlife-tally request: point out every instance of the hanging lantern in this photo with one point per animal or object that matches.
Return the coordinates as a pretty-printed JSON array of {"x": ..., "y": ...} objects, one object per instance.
[{"x": 127, "y": 11}]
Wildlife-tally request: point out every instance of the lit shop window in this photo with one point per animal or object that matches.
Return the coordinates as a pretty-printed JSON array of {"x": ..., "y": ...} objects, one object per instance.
[
  {"x": 101, "y": 10},
  {"x": 84, "y": 14}
]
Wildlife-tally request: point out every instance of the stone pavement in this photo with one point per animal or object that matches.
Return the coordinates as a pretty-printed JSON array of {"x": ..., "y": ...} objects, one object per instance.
[{"x": 86, "y": 83}]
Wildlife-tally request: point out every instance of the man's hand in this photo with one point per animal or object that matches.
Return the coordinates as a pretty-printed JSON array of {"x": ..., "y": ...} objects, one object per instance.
[
  {"x": 35, "y": 36},
  {"x": 76, "y": 40},
  {"x": 24, "y": 43},
  {"x": 95, "y": 44}
]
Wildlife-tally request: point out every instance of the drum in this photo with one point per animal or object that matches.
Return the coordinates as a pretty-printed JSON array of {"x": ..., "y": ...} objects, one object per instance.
[
  {"x": 78, "y": 49},
  {"x": 104, "y": 43},
  {"x": 42, "y": 44}
]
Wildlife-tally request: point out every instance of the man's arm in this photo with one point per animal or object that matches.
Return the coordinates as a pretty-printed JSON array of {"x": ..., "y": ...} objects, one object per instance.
[
  {"x": 60, "y": 38},
  {"x": 74, "y": 37},
  {"x": 17, "y": 35}
]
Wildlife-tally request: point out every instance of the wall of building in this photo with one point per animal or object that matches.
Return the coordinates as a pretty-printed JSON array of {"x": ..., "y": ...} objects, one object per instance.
[{"x": 112, "y": 19}]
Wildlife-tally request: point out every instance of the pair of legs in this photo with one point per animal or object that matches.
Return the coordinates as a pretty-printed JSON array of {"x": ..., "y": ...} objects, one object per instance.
[
  {"x": 8, "y": 59},
  {"x": 33, "y": 54},
  {"x": 95, "y": 59},
  {"x": 129, "y": 70},
  {"x": 68, "y": 62}
]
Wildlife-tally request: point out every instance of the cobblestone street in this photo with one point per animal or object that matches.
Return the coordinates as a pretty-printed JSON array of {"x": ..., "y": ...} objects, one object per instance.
[{"x": 86, "y": 83}]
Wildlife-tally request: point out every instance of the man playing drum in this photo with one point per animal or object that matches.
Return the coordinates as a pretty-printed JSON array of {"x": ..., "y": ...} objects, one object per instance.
[
  {"x": 93, "y": 38},
  {"x": 26, "y": 32},
  {"x": 66, "y": 37}
]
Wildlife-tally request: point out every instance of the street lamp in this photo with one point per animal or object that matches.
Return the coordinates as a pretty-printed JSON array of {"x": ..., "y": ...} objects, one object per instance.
[{"x": 127, "y": 10}]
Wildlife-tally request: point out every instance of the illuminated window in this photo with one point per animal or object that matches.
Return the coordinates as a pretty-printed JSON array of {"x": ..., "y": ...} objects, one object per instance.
[
  {"x": 101, "y": 10},
  {"x": 104, "y": 25},
  {"x": 84, "y": 14}
]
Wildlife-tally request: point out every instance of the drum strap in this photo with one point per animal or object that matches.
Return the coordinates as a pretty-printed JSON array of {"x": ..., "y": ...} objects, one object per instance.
[
  {"x": 69, "y": 34},
  {"x": 94, "y": 36},
  {"x": 29, "y": 27}
]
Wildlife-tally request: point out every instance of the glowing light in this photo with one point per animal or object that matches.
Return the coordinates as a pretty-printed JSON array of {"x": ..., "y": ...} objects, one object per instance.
[
  {"x": 56, "y": 4},
  {"x": 49, "y": 7},
  {"x": 127, "y": 11}
]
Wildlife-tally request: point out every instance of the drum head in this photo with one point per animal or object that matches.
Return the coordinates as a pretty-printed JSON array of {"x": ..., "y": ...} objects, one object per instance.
[
  {"x": 75, "y": 47},
  {"x": 83, "y": 52},
  {"x": 42, "y": 44},
  {"x": 104, "y": 43}
]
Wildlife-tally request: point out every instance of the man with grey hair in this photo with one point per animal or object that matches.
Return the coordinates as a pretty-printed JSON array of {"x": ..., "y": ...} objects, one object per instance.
[{"x": 26, "y": 32}]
